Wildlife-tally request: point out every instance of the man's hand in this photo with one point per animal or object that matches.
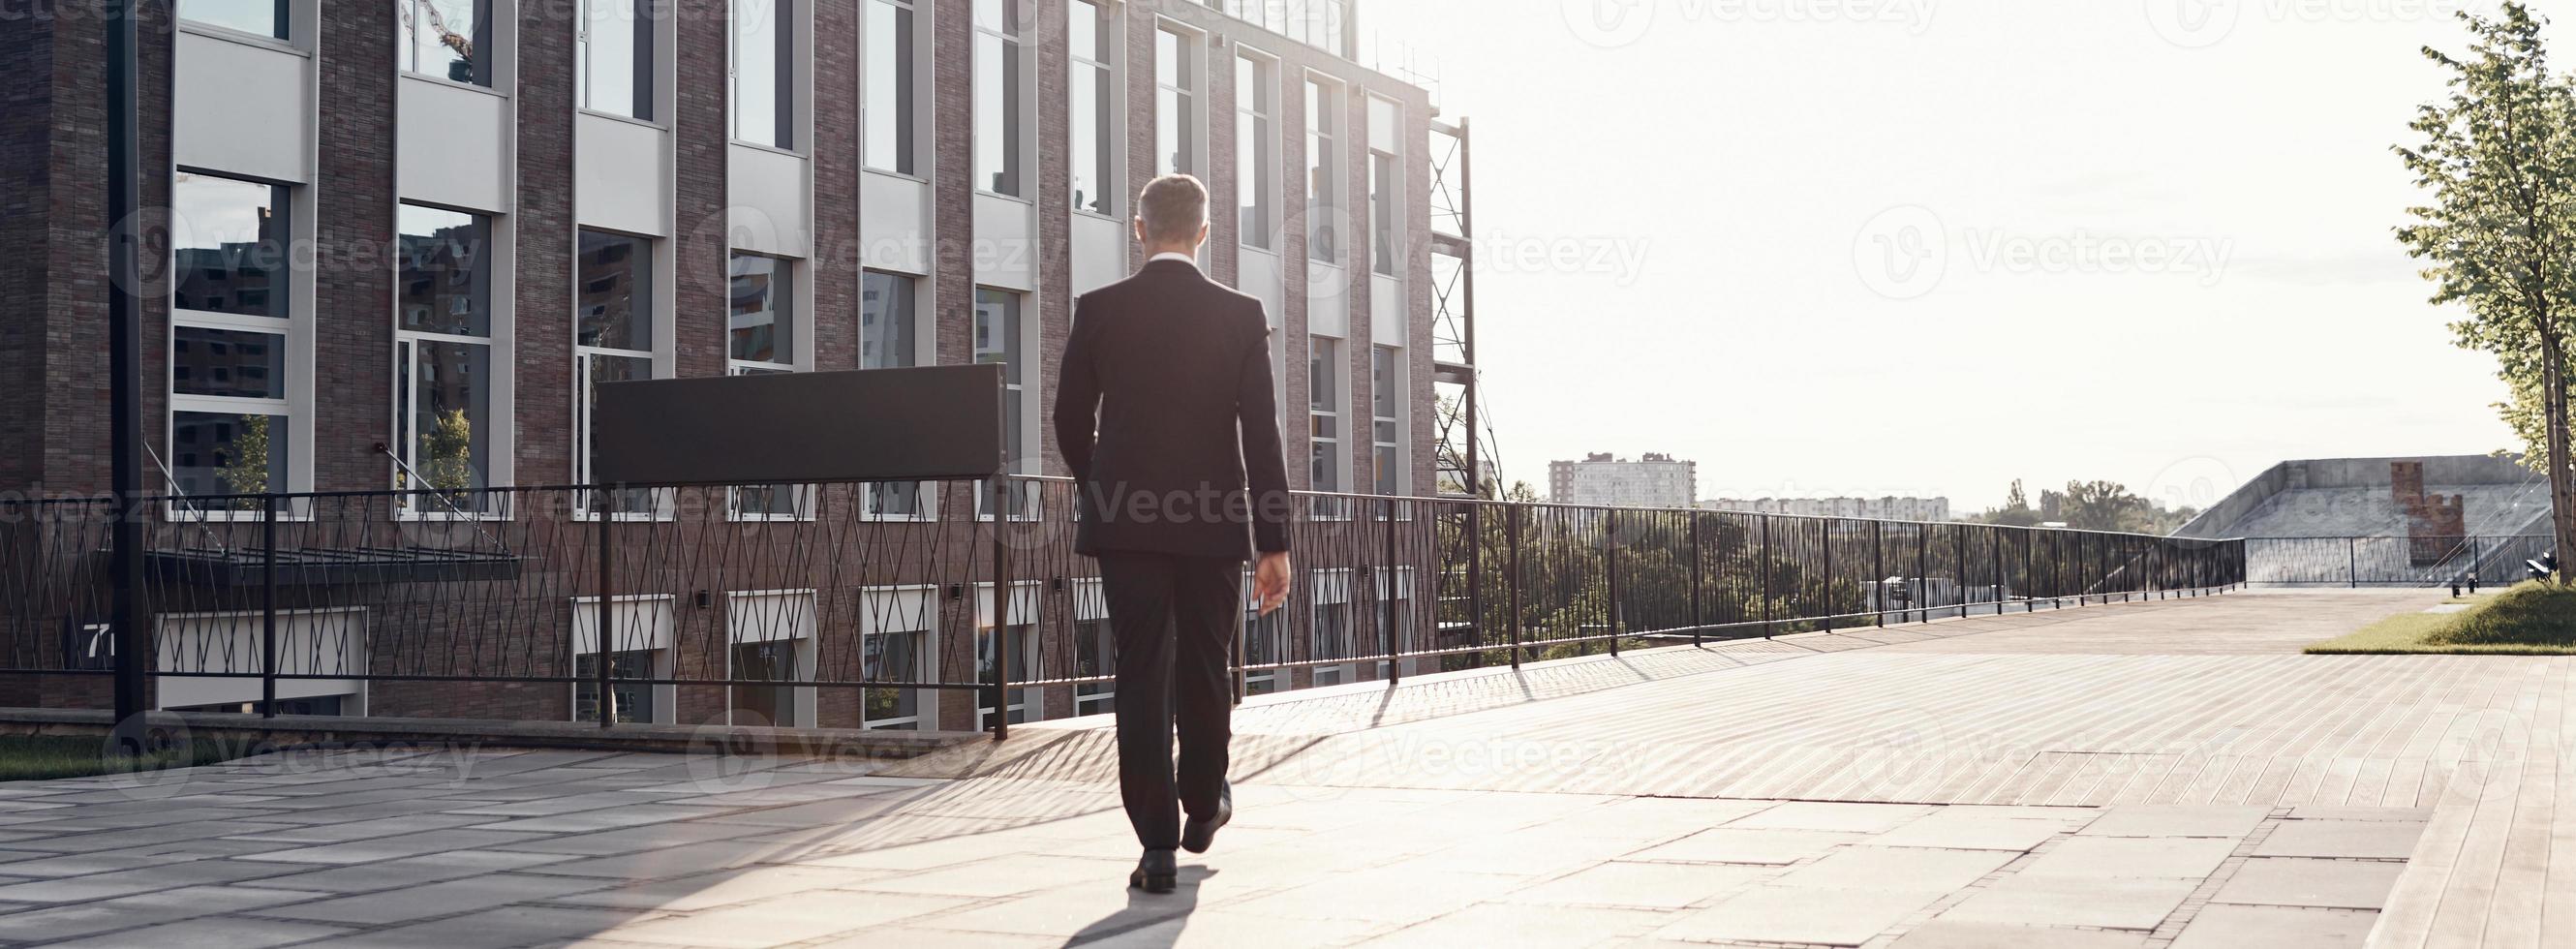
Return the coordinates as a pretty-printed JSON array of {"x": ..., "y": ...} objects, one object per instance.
[{"x": 1270, "y": 581}]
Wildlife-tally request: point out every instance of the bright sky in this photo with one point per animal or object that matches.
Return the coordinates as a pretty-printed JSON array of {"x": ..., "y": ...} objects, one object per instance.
[{"x": 1929, "y": 246}]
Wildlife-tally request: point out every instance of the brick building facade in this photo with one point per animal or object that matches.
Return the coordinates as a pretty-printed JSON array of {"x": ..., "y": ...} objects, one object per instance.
[{"x": 843, "y": 144}]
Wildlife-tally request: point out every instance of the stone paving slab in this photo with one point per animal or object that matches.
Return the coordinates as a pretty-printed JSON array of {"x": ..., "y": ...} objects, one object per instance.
[{"x": 1990, "y": 835}]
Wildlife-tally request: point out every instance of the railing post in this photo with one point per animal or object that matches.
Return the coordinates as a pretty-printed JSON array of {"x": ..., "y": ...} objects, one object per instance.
[
  {"x": 1699, "y": 620},
  {"x": 2352, "y": 562},
  {"x": 1878, "y": 570},
  {"x": 1825, "y": 534},
  {"x": 1921, "y": 587},
  {"x": 1475, "y": 581},
  {"x": 268, "y": 607},
  {"x": 1765, "y": 566},
  {"x": 1512, "y": 582},
  {"x": 1394, "y": 649},
  {"x": 1610, "y": 536},
  {"x": 1997, "y": 555},
  {"x": 606, "y": 634},
  {"x": 1002, "y": 644},
  {"x": 2029, "y": 573}
]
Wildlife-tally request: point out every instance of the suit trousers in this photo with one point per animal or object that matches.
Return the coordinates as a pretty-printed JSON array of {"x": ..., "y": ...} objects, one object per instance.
[{"x": 1174, "y": 620}]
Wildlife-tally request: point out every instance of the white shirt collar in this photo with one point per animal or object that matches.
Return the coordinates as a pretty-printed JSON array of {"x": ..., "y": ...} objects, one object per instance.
[{"x": 1173, "y": 255}]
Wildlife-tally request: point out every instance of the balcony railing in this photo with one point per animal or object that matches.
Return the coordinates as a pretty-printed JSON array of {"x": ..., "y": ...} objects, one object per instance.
[{"x": 867, "y": 605}]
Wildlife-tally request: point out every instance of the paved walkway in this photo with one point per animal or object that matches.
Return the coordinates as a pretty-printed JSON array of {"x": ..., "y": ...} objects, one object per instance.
[{"x": 2151, "y": 774}]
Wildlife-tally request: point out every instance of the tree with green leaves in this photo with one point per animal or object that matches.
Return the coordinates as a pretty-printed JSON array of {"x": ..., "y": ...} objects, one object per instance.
[
  {"x": 246, "y": 471},
  {"x": 2497, "y": 157}
]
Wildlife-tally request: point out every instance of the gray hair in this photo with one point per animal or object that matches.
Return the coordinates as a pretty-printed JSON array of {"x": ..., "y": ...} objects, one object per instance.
[{"x": 1173, "y": 208}]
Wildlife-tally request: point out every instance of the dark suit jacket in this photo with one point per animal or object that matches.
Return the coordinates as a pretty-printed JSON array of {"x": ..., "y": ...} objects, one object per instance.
[{"x": 1175, "y": 369}]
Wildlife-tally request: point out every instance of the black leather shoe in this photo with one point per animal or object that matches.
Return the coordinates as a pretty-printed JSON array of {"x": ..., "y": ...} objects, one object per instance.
[
  {"x": 1159, "y": 872},
  {"x": 1200, "y": 832}
]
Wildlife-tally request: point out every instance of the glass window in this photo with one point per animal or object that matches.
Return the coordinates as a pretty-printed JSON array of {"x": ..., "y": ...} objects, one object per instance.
[
  {"x": 1324, "y": 388},
  {"x": 614, "y": 329},
  {"x": 264, "y": 17},
  {"x": 613, "y": 293},
  {"x": 1382, "y": 212},
  {"x": 617, "y": 54},
  {"x": 1323, "y": 172},
  {"x": 450, "y": 39},
  {"x": 228, "y": 241},
  {"x": 228, "y": 453},
  {"x": 997, "y": 96},
  {"x": 633, "y": 700},
  {"x": 893, "y": 657},
  {"x": 888, "y": 332},
  {"x": 997, "y": 340},
  {"x": 227, "y": 363},
  {"x": 446, "y": 392},
  {"x": 1096, "y": 651},
  {"x": 890, "y": 338},
  {"x": 445, "y": 285},
  {"x": 763, "y": 324},
  {"x": 1385, "y": 393},
  {"x": 1024, "y": 666},
  {"x": 889, "y": 86},
  {"x": 764, "y": 73},
  {"x": 1255, "y": 150},
  {"x": 1175, "y": 103},
  {"x": 1091, "y": 37}
]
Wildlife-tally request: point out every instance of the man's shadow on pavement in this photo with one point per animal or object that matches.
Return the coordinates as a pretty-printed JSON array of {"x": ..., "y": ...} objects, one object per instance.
[{"x": 1166, "y": 914}]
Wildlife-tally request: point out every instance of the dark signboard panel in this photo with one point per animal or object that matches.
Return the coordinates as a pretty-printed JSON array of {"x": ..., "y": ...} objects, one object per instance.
[{"x": 932, "y": 423}]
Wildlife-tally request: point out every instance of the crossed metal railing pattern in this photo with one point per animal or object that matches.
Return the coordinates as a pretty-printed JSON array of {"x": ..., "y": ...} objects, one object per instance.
[{"x": 864, "y": 605}]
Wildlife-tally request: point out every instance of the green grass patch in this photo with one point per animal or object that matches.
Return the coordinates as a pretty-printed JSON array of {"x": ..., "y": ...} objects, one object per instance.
[
  {"x": 2532, "y": 619},
  {"x": 44, "y": 757}
]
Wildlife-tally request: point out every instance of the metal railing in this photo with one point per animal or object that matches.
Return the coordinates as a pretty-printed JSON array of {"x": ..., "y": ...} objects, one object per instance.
[
  {"x": 873, "y": 605},
  {"x": 2389, "y": 561}
]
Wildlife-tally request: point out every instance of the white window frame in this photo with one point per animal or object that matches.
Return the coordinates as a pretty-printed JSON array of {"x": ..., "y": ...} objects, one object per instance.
[
  {"x": 926, "y": 493},
  {"x": 500, "y": 233},
  {"x": 664, "y": 502},
  {"x": 1188, "y": 95},
  {"x": 1028, "y": 702},
  {"x": 1113, "y": 174},
  {"x": 921, "y": 79},
  {"x": 883, "y": 613},
  {"x": 1330, "y": 509},
  {"x": 499, "y": 18},
  {"x": 659, "y": 640},
  {"x": 1024, "y": 394},
  {"x": 1331, "y": 588},
  {"x": 1267, "y": 680},
  {"x": 1393, "y": 151},
  {"x": 657, "y": 99},
  {"x": 1323, "y": 140},
  {"x": 799, "y": 339},
  {"x": 295, "y": 340},
  {"x": 797, "y": 71},
  {"x": 1022, "y": 99},
  {"x": 801, "y": 615},
  {"x": 1392, "y": 389},
  {"x": 1091, "y": 605},
  {"x": 1266, "y": 190}
]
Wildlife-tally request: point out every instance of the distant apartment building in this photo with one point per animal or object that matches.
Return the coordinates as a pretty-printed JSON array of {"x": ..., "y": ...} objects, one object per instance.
[
  {"x": 1885, "y": 509},
  {"x": 1653, "y": 480}
]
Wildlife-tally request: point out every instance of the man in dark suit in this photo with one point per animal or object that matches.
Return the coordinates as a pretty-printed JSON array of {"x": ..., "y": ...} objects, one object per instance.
[{"x": 1164, "y": 410}]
